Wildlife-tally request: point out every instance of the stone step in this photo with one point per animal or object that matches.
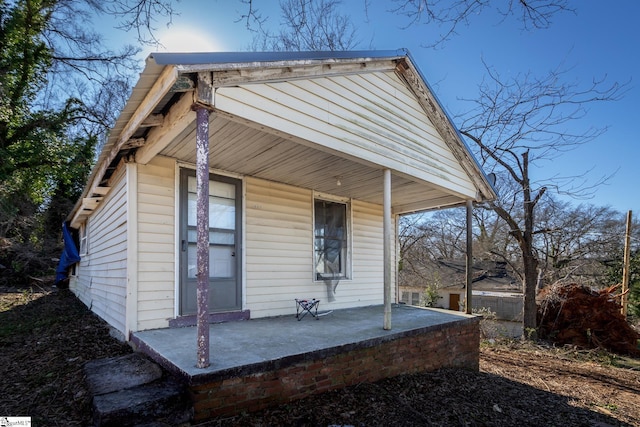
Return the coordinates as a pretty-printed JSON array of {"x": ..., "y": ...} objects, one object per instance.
[
  {"x": 131, "y": 390},
  {"x": 120, "y": 373},
  {"x": 157, "y": 402}
]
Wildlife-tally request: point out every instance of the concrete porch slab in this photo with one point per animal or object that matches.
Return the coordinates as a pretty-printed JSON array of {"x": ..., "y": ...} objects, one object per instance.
[{"x": 251, "y": 346}]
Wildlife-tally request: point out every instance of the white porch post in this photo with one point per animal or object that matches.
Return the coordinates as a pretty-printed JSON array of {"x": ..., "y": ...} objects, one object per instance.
[
  {"x": 202, "y": 234},
  {"x": 386, "y": 207}
]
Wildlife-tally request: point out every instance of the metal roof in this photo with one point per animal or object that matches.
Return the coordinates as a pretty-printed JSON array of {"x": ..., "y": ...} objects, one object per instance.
[{"x": 193, "y": 58}]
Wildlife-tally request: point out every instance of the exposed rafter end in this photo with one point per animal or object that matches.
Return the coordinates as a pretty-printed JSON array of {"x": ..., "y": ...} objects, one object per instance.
[
  {"x": 102, "y": 171},
  {"x": 152, "y": 120},
  {"x": 88, "y": 205},
  {"x": 101, "y": 191},
  {"x": 183, "y": 84},
  {"x": 133, "y": 143},
  {"x": 204, "y": 90},
  {"x": 402, "y": 65}
]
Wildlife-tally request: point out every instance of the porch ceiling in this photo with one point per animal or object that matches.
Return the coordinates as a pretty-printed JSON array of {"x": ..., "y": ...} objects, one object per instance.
[{"x": 262, "y": 153}]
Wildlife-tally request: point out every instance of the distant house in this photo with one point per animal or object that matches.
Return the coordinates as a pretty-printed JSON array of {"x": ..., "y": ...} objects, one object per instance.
[
  {"x": 493, "y": 288},
  {"x": 301, "y": 147}
]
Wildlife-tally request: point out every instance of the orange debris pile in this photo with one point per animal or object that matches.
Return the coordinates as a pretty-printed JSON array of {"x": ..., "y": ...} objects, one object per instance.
[{"x": 577, "y": 315}]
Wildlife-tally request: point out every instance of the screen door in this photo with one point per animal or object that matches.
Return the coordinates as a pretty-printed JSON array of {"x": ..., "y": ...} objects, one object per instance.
[{"x": 225, "y": 290}]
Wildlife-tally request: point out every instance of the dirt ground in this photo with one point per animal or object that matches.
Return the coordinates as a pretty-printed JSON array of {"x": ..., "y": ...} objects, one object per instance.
[{"x": 47, "y": 335}]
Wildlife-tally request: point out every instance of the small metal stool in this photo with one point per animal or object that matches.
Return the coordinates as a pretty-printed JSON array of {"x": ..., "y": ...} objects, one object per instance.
[{"x": 307, "y": 306}]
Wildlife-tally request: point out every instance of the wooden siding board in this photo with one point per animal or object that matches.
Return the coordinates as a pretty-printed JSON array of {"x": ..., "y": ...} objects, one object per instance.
[
  {"x": 157, "y": 238},
  {"x": 386, "y": 86},
  {"x": 339, "y": 111},
  {"x": 415, "y": 131},
  {"x": 156, "y": 248},
  {"x": 101, "y": 282},
  {"x": 164, "y": 228},
  {"x": 267, "y": 255},
  {"x": 108, "y": 224},
  {"x": 155, "y": 305},
  {"x": 352, "y": 144},
  {"x": 160, "y": 186},
  {"x": 150, "y": 256},
  {"x": 267, "y": 234},
  {"x": 153, "y": 200},
  {"x": 405, "y": 137},
  {"x": 397, "y": 122},
  {"x": 156, "y": 217}
]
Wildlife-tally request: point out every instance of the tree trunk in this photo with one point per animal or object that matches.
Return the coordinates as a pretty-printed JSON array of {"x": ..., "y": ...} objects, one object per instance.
[
  {"x": 529, "y": 258},
  {"x": 529, "y": 319}
]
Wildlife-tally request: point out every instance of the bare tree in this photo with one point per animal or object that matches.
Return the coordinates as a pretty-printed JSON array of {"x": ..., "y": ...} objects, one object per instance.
[
  {"x": 449, "y": 15},
  {"x": 83, "y": 67},
  {"x": 426, "y": 240},
  {"x": 517, "y": 122},
  {"x": 141, "y": 16},
  {"x": 307, "y": 25},
  {"x": 576, "y": 242}
]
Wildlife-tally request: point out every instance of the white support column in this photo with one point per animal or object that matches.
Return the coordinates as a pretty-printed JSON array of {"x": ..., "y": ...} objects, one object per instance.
[
  {"x": 131, "y": 310},
  {"x": 387, "y": 231}
]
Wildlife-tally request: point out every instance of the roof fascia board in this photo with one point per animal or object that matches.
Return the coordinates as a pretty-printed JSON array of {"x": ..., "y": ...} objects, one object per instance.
[
  {"x": 234, "y": 74},
  {"x": 261, "y": 59},
  {"x": 295, "y": 63},
  {"x": 418, "y": 207}
]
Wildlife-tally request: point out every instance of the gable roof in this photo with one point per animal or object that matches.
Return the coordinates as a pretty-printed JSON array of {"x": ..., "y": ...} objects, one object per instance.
[{"x": 168, "y": 74}]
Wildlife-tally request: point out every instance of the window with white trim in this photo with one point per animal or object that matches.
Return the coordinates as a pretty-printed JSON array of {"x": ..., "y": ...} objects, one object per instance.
[
  {"x": 84, "y": 242},
  {"x": 331, "y": 239}
]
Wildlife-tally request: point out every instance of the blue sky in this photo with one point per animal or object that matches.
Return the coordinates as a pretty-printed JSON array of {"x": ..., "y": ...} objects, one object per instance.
[{"x": 602, "y": 39}]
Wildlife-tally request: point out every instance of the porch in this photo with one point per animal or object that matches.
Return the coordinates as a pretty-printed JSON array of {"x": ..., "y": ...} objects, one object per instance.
[{"x": 270, "y": 361}]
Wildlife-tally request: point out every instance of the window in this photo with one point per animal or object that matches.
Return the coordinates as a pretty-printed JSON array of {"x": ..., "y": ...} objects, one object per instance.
[
  {"x": 415, "y": 298},
  {"x": 84, "y": 247},
  {"x": 331, "y": 237},
  {"x": 411, "y": 298}
]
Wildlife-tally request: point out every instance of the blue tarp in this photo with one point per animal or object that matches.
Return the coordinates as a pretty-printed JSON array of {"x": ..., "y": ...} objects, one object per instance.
[{"x": 69, "y": 254}]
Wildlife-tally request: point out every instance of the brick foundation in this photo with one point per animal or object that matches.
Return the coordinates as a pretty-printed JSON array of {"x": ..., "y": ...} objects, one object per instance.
[{"x": 453, "y": 344}]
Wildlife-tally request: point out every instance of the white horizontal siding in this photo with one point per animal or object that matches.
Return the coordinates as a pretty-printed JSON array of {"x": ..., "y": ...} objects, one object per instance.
[
  {"x": 102, "y": 274},
  {"x": 279, "y": 252},
  {"x": 373, "y": 117},
  {"x": 278, "y": 234},
  {"x": 156, "y": 243}
]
